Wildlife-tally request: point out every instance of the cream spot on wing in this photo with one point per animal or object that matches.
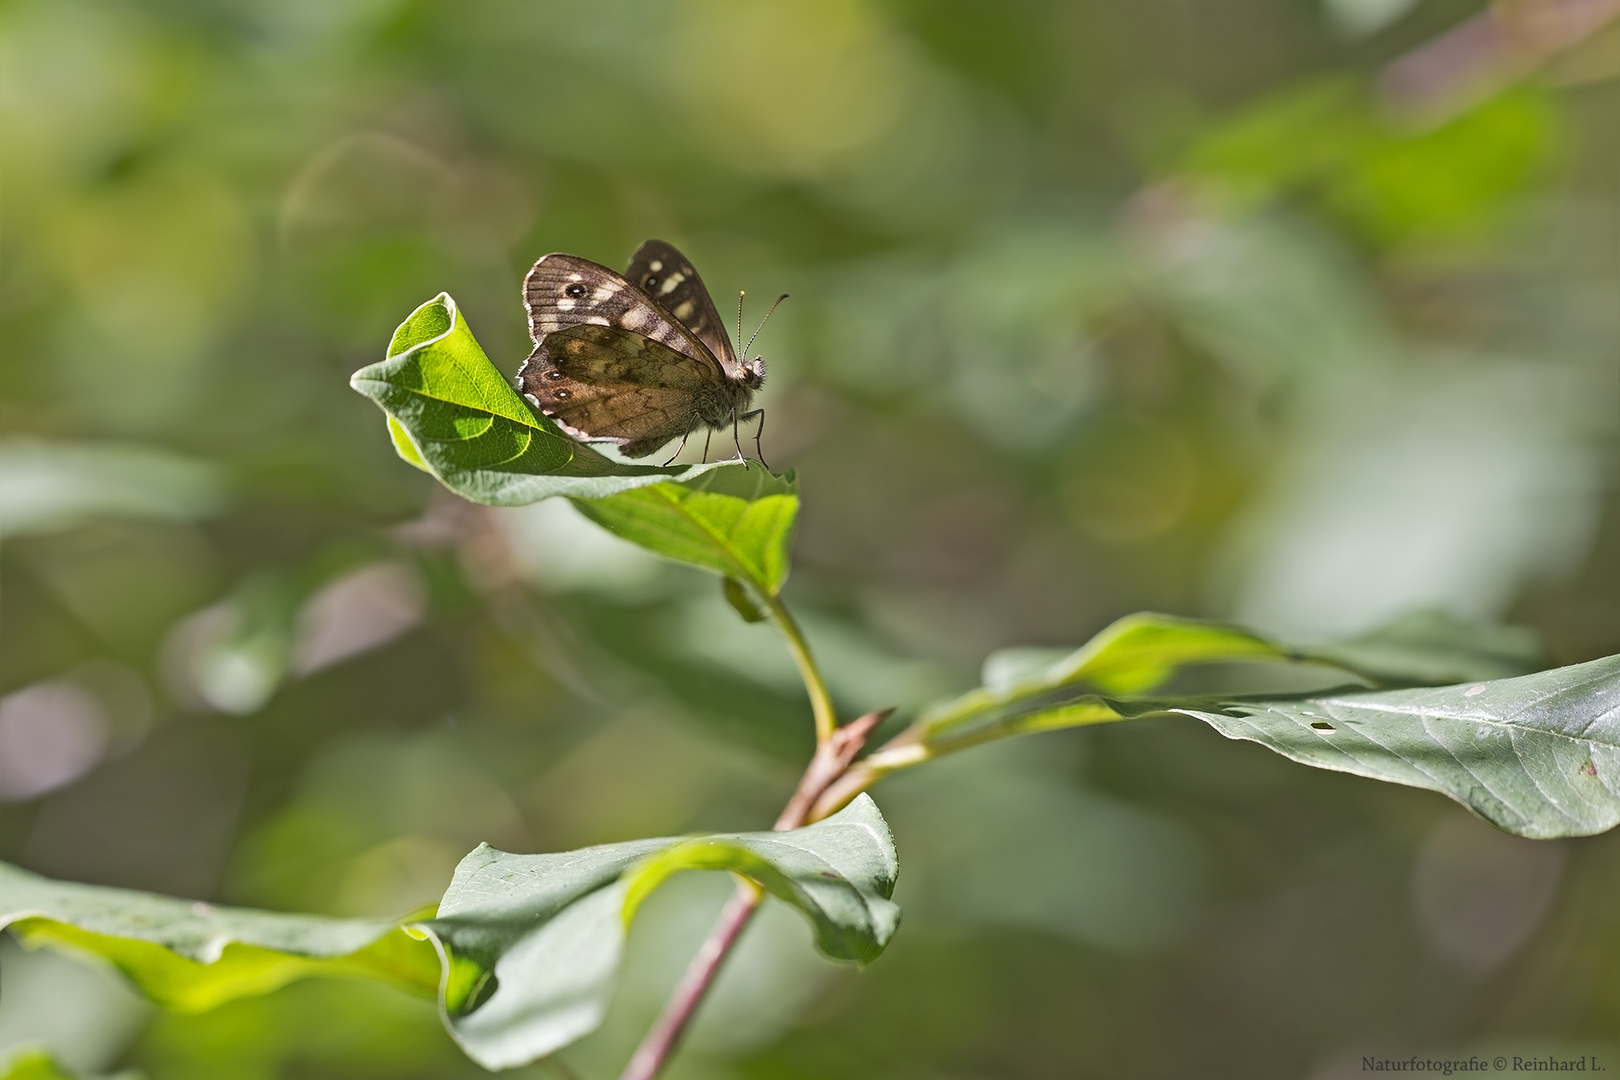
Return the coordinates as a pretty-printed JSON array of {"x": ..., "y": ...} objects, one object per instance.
[
  {"x": 684, "y": 311},
  {"x": 576, "y": 277},
  {"x": 670, "y": 284},
  {"x": 549, "y": 323},
  {"x": 597, "y": 320},
  {"x": 604, "y": 292},
  {"x": 656, "y": 265},
  {"x": 633, "y": 318},
  {"x": 565, "y": 305}
]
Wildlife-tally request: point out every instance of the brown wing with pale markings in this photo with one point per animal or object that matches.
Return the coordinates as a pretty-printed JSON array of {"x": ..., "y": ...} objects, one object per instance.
[
  {"x": 665, "y": 275},
  {"x": 606, "y": 383},
  {"x": 565, "y": 290}
]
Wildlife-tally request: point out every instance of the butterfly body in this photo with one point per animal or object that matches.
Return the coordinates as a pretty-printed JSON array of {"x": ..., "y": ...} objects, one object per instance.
[{"x": 636, "y": 360}]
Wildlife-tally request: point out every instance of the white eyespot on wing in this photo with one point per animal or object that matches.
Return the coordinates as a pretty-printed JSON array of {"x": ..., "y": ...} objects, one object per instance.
[
  {"x": 683, "y": 311},
  {"x": 670, "y": 284},
  {"x": 633, "y": 318}
]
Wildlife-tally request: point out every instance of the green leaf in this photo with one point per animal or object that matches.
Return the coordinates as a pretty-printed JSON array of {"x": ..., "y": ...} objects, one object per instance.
[
  {"x": 193, "y": 956},
  {"x": 32, "y": 1063},
  {"x": 737, "y": 523},
  {"x": 1537, "y": 755},
  {"x": 1428, "y": 648},
  {"x": 1135, "y": 654},
  {"x": 453, "y": 414},
  {"x": 522, "y": 952},
  {"x": 532, "y": 942},
  {"x": 737, "y": 596}
]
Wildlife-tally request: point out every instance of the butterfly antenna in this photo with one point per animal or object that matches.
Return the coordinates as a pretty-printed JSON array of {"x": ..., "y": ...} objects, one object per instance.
[
  {"x": 762, "y": 323},
  {"x": 740, "y": 294}
]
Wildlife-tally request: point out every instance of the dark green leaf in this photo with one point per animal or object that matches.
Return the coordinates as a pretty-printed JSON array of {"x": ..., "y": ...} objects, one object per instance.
[
  {"x": 1537, "y": 755},
  {"x": 1426, "y": 648},
  {"x": 736, "y": 594},
  {"x": 532, "y": 942}
]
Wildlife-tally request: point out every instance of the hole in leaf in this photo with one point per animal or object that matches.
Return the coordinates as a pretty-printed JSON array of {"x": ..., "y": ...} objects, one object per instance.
[{"x": 1322, "y": 725}]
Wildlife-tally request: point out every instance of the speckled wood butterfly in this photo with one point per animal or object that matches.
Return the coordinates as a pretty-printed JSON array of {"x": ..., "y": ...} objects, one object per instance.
[{"x": 635, "y": 360}]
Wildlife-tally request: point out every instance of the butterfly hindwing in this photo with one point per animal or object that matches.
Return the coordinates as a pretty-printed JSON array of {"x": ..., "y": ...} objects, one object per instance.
[
  {"x": 664, "y": 274},
  {"x": 603, "y": 382}
]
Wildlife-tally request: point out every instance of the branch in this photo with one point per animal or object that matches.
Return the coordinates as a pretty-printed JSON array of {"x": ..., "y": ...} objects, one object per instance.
[
  {"x": 820, "y": 700},
  {"x": 1481, "y": 55},
  {"x": 832, "y": 759}
]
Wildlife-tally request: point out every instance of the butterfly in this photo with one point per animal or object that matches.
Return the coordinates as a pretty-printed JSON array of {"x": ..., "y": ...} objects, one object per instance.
[{"x": 636, "y": 360}]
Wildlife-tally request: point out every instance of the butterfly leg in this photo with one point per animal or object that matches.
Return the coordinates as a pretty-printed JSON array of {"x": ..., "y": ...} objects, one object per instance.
[
  {"x": 681, "y": 447},
  {"x": 760, "y": 430},
  {"x": 735, "y": 420},
  {"x": 706, "y": 437}
]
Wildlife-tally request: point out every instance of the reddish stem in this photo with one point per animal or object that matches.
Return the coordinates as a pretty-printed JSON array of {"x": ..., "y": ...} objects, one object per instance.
[
  {"x": 832, "y": 758},
  {"x": 661, "y": 1038}
]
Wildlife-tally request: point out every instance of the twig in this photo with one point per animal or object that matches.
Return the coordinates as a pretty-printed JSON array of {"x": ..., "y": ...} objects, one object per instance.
[
  {"x": 832, "y": 759},
  {"x": 1484, "y": 53},
  {"x": 821, "y": 705}
]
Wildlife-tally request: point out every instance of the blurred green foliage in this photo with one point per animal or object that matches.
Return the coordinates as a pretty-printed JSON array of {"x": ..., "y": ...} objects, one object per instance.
[{"x": 1096, "y": 307}]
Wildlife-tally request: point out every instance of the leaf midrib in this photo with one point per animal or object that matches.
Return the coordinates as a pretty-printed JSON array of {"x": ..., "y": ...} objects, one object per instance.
[{"x": 719, "y": 541}]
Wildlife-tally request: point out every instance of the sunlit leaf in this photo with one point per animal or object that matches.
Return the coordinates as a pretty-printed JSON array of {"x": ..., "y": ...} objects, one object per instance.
[
  {"x": 193, "y": 956},
  {"x": 452, "y": 413},
  {"x": 738, "y": 522},
  {"x": 532, "y": 942}
]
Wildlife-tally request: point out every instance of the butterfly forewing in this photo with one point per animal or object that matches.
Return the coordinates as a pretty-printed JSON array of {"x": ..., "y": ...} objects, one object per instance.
[
  {"x": 565, "y": 290},
  {"x": 664, "y": 274}
]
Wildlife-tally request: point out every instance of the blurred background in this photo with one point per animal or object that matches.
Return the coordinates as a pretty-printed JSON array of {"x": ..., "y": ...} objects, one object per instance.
[{"x": 1302, "y": 313}]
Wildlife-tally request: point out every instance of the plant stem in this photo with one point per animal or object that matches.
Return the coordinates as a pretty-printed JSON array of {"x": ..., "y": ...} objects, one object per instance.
[
  {"x": 821, "y": 705},
  {"x": 661, "y": 1038},
  {"x": 832, "y": 759}
]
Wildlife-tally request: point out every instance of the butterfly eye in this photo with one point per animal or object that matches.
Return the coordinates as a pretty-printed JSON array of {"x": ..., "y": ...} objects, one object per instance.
[{"x": 576, "y": 290}]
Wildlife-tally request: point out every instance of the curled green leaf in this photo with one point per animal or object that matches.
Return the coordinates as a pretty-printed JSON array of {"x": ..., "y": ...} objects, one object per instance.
[
  {"x": 453, "y": 414},
  {"x": 532, "y": 943}
]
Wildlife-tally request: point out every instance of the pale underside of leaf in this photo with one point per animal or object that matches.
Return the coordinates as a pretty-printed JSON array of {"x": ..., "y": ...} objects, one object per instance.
[
  {"x": 1537, "y": 755},
  {"x": 532, "y": 943}
]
